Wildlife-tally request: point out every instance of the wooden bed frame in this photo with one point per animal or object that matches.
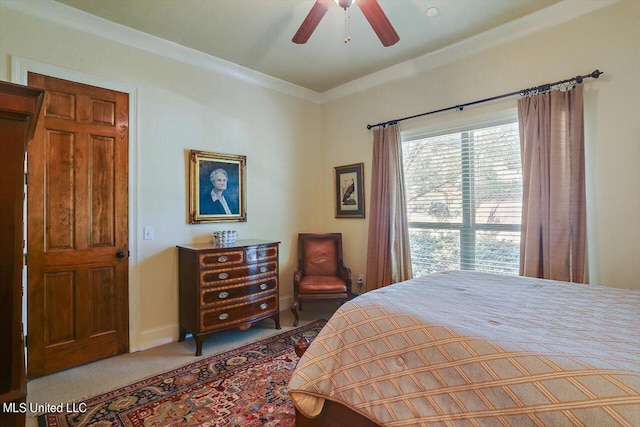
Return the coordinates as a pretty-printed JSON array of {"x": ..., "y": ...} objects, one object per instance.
[{"x": 334, "y": 415}]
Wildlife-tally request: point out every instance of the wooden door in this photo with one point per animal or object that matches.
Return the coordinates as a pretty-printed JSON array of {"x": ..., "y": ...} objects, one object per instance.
[{"x": 77, "y": 227}]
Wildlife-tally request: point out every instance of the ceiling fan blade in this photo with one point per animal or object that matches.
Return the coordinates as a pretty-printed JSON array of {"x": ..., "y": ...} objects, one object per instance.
[
  {"x": 379, "y": 22},
  {"x": 311, "y": 21}
]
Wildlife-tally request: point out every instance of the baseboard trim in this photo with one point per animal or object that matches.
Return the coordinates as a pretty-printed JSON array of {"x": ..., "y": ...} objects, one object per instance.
[
  {"x": 168, "y": 334},
  {"x": 158, "y": 336}
]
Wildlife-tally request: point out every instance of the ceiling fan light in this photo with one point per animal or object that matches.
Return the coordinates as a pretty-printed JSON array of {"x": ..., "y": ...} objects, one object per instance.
[
  {"x": 344, "y": 3},
  {"x": 370, "y": 9}
]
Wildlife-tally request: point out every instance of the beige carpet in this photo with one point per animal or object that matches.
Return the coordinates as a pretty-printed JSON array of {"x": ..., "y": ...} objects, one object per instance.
[{"x": 84, "y": 381}]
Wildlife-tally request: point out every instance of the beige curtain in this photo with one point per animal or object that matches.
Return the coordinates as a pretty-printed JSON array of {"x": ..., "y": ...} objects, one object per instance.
[
  {"x": 388, "y": 256},
  {"x": 553, "y": 242}
]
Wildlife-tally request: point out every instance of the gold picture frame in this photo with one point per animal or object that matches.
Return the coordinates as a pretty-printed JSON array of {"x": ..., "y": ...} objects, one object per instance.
[
  {"x": 217, "y": 184},
  {"x": 349, "y": 182}
]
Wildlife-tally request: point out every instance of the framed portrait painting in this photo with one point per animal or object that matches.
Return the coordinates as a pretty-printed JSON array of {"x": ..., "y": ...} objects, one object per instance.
[
  {"x": 349, "y": 182},
  {"x": 217, "y": 187}
]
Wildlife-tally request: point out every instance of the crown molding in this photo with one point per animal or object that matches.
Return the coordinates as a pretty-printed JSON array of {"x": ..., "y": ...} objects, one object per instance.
[
  {"x": 546, "y": 18},
  {"x": 58, "y": 13},
  {"x": 549, "y": 17}
]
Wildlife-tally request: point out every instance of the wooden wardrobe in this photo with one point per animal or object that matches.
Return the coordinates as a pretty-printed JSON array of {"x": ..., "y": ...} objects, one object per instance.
[{"x": 19, "y": 110}]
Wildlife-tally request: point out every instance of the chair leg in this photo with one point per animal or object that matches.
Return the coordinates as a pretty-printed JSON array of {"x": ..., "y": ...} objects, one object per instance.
[{"x": 294, "y": 310}]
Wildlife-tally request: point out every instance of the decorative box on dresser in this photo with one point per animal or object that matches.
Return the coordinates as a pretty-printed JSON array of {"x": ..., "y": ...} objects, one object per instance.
[
  {"x": 226, "y": 287},
  {"x": 19, "y": 110}
]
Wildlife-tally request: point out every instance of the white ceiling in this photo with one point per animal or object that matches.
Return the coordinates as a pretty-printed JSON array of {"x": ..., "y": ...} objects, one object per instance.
[{"x": 256, "y": 34}]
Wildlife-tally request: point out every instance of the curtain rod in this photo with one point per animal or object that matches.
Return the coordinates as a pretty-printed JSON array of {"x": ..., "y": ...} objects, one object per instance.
[{"x": 523, "y": 92}]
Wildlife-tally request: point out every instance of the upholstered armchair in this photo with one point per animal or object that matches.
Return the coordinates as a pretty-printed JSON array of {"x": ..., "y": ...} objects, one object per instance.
[{"x": 321, "y": 274}]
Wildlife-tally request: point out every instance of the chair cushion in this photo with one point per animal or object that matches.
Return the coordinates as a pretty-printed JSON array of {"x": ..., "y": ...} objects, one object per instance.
[
  {"x": 320, "y": 257},
  {"x": 325, "y": 284}
]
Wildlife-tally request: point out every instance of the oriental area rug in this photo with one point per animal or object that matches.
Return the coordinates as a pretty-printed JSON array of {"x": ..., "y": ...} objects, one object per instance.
[{"x": 246, "y": 386}]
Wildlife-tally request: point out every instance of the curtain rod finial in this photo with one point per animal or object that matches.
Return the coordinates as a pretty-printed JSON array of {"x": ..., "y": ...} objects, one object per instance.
[{"x": 596, "y": 74}]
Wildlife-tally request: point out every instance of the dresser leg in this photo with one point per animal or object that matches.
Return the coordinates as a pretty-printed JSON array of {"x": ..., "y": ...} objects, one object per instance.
[
  {"x": 276, "y": 318},
  {"x": 199, "y": 341}
]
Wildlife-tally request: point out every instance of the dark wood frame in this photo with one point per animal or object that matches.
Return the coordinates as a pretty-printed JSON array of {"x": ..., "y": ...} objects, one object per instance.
[
  {"x": 334, "y": 415},
  {"x": 349, "y": 204},
  {"x": 196, "y": 172},
  {"x": 19, "y": 111}
]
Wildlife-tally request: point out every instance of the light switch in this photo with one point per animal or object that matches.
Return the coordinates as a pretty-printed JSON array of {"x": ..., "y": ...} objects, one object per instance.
[{"x": 147, "y": 233}]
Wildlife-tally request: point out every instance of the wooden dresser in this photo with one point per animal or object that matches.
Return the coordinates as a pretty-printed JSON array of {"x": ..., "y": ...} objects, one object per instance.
[
  {"x": 19, "y": 110},
  {"x": 225, "y": 287}
]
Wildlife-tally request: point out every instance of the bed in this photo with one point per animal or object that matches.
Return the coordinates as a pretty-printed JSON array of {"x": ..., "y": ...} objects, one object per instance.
[{"x": 465, "y": 349}]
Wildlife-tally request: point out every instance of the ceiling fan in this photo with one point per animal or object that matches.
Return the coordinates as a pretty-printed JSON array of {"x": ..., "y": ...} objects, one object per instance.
[{"x": 371, "y": 10}]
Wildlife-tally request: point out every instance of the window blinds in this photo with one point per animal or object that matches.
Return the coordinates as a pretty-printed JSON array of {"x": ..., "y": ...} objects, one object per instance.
[{"x": 464, "y": 199}]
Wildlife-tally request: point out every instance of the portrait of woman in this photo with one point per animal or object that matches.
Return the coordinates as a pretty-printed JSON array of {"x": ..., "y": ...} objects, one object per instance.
[
  {"x": 219, "y": 195},
  {"x": 217, "y": 187}
]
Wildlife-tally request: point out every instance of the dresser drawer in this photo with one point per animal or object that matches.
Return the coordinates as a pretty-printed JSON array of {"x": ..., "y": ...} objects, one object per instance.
[
  {"x": 220, "y": 259},
  {"x": 261, "y": 253},
  {"x": 239, "y": 313},
  {"x": 227, "y": 294},
  {"x": 226, "y": 275}
]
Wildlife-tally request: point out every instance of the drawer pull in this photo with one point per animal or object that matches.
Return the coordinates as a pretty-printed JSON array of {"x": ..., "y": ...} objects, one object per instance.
[
  {"x": 223, "y": 316},
  {"x": 223, "y": 258},
  {"x": 262, "y": 254},
  {"x": 263, "y": 269},
  {"x": 263, "y": 286},
  {"x": 263, "y": 306},
  {"x": 223, "y": 294},
  {"x": 222, "y": 276}
]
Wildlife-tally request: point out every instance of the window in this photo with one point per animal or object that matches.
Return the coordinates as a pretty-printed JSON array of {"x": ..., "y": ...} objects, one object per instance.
[{"x": 464, "y": 199}]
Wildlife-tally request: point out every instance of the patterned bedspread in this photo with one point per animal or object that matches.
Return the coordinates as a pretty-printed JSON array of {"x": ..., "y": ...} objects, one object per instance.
[{"x": 465, "y": 349}]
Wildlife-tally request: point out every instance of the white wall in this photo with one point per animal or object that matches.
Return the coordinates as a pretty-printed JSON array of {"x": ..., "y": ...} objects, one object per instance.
[
  {"x": 180, "y": 107},
  {"x": 608, "y": 39}
]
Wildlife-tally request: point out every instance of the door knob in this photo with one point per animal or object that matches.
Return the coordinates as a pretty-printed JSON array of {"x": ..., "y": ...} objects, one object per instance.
[{"x": 121, "y": 254}]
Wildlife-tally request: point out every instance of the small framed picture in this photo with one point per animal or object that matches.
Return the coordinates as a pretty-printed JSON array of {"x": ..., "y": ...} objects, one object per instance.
[
  {"x": 217, "y": 185},
  {"x": 350, "y": 191}
]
